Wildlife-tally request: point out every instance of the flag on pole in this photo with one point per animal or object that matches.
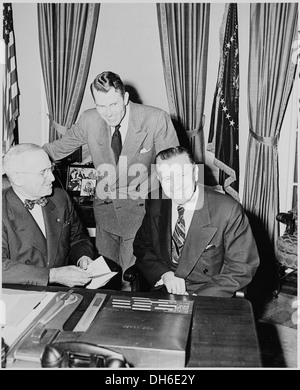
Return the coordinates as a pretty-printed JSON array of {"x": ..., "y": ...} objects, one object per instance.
[
  {"x": 223, "y": 138},
  {"x": 10, "y": 82}
]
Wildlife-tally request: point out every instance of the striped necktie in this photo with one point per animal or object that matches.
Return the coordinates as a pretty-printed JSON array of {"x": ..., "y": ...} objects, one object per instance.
[{"x": 178, "y": 237}]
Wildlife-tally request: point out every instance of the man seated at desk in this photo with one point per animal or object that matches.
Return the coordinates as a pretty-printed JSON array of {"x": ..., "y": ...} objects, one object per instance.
[
  {"x": 193, "y": 240},
  {"x": 42, "y": 243}
]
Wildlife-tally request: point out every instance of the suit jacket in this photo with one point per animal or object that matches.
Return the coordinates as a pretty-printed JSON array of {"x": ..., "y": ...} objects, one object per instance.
[
  {"x": 150, "y": 130},
  {"x": 26, "y": 254},
  {"x": 219, "y": 256}
]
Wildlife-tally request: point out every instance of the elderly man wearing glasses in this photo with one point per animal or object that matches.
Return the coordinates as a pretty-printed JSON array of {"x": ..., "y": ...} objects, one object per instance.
[{"x": 43, "y": 240}]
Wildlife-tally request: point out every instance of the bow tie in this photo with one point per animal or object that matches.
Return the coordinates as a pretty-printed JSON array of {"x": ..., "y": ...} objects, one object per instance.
[{"x": 29, "y": 204}]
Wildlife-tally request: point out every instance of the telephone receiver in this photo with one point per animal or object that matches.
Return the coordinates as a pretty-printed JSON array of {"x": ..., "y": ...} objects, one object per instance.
[{"x": 80, "y": 354}]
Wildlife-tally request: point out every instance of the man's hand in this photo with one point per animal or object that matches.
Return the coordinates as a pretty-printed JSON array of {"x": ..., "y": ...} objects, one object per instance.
[
  {"x": 70, "y": 276},
  {"x": 174, "y": 285},
  {"x": 84, "y": 262},
  {"x": 59, "y": 128}
]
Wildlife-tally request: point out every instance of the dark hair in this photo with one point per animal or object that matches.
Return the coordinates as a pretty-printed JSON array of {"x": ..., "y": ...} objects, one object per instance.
[
  {"x": 107, "y": 80},
  {"x": 172, "y": 152}
]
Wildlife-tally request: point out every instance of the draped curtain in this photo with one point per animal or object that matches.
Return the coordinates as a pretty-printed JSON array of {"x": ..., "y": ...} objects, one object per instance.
[
  {"x": 273, "y": 29},
  {"x": 184, "y": 30},
  {"x": 66, "y": 38}
]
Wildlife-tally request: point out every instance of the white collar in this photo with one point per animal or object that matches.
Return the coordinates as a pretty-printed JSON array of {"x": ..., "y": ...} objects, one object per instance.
[{"x": 124, "y": 122}]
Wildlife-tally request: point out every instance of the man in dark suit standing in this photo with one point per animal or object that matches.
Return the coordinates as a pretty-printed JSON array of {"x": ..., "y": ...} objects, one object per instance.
[
  {"x": 123, "y": 139},
  {"x": 193, "y": 240},
  {"x": 43, "y": 240}
]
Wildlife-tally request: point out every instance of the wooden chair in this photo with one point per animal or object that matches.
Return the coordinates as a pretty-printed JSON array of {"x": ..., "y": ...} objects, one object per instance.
[{"x": 136, "y": 279}]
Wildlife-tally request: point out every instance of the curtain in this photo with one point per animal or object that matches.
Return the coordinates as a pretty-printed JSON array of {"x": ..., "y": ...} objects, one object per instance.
[
  {"x": 273, "y": 29},
  {"x": 184, "y": 31},
  {"x": 66, "y": 38}
]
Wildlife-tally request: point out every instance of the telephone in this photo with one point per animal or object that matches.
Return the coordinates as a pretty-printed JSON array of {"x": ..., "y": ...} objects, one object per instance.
[{"x": 80, "y": 354}]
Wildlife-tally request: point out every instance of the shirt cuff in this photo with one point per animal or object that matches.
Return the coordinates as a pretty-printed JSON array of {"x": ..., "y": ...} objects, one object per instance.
[{"x": 159, "y": 283}]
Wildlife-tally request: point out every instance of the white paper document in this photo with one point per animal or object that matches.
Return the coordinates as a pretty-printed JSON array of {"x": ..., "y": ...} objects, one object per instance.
[
  {"x": 100, "y": 272},
  {"x": 21, "y": 308},
  {"x": 18, "y": 304}
]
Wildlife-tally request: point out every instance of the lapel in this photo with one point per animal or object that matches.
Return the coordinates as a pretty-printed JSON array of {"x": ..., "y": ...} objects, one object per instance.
[
  {"x": 53, "y": 226},
  {"x": 198, "y": 237},
  {"x": 24, "y": 224},
  {"x": 134, "y": 138},
  {"x": 103, "y": 136},
  {"x": 161, "y": 214},
  {"x": 163, "y": 222}
]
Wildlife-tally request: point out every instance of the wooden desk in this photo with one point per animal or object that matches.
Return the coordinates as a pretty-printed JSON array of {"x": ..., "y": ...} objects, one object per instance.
[{"x": 223, "y": 330}]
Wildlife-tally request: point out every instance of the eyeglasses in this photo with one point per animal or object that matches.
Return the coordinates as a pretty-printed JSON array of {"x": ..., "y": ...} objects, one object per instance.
[{"x": 44, "y": 173}]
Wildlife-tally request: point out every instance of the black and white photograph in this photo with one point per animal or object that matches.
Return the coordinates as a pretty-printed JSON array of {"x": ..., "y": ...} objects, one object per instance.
[
  {"x": 77, "y": 178},
  {"x": 156, "y": 143},
  {"x": 87, "y": 187}
]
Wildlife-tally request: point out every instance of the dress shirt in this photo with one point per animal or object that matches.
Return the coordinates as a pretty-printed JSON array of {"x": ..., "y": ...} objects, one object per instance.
[
  {"x": 123, "y": 125},
  {"x": 36, "y": 212},
  {"x": 189, "y": 208}
]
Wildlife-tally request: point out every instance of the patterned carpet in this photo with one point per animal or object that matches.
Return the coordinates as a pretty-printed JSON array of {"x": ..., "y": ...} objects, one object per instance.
[
  {"x": 277, "y": 327},
  {"x": 281, "y": 311}
]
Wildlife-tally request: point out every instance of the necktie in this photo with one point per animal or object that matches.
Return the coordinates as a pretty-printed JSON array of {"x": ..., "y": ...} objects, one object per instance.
[
  {"x": 178, "y": 237},
  {"x": 116, "y": 143},
  {"x": 29, "y": 204}
]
